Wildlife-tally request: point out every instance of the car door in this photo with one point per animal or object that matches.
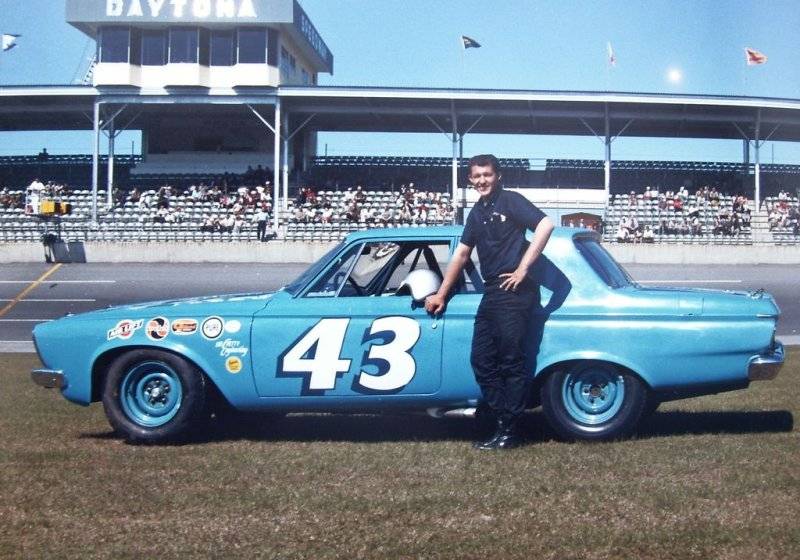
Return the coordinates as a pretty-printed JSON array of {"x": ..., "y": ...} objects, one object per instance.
[{"x": 349, "y": 333}]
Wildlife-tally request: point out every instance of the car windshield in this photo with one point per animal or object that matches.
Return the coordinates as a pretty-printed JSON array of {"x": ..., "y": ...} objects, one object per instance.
[
  {"x": 603, "y": 263},
  {"x": 295, "y": 286}
]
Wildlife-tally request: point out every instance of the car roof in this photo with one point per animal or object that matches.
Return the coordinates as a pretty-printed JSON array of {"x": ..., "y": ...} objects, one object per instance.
[{"x": 446, "y": 231}]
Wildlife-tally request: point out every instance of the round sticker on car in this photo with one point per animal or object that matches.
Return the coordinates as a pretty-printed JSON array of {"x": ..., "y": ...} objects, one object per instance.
[
  {"x": 233, "y": 364},
  {"x": 233, "y": 326},
  {"x": 212, "y": 327},
  {"x": 157, "y": 328}
]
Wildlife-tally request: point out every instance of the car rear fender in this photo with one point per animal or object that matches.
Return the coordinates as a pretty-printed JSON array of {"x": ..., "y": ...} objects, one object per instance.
[{"x": 553, "y": 362}]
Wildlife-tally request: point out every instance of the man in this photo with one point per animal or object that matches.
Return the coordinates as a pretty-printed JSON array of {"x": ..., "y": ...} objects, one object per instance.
[
  {"x": 261, "y": 218},
  {"x": 496, "y": 226}
]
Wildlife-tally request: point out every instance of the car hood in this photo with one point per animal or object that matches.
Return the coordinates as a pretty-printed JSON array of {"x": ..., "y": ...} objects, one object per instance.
[{"x": 229, "y": 304}]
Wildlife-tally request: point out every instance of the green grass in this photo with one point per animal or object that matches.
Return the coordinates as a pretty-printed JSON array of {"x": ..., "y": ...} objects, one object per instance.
[{"x": 713, "y": 477}]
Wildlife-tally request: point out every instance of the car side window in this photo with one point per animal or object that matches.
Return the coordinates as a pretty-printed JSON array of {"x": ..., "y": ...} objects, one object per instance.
[
  {"x": 334, "y": 279},
  {"x": 430, "y": 255},
  {"x": 378, "y": 268}
]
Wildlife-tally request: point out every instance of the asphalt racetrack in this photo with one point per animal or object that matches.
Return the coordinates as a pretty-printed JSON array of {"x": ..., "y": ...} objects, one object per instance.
[{"x": 34, "y": 292}]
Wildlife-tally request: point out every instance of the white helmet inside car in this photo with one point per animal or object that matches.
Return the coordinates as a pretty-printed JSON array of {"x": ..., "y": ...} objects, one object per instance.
[{"x": 420, "y": 284}]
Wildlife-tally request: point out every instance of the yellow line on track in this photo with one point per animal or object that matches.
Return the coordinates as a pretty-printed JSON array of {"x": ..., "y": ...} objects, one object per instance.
[{"x": 28, "y": 290}]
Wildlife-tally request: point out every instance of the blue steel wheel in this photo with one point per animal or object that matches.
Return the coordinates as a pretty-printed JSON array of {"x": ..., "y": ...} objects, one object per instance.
[
  {"x": 153, "y": 396},
  {"x": 593, "y": 400}
]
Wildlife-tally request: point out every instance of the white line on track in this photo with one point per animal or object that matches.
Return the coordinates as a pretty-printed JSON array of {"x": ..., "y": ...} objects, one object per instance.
[
  {"x": 51, "y": 300},
  {"x": 60, "y": 282},
  {"x": 689, "y": 281}
]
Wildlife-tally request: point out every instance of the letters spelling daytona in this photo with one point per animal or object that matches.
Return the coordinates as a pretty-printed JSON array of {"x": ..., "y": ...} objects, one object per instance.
[{"x": 197, "y": 8}]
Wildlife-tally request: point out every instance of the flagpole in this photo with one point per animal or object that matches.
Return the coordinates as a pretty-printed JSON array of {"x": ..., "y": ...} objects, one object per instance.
[{"x": 463, "y": 61}]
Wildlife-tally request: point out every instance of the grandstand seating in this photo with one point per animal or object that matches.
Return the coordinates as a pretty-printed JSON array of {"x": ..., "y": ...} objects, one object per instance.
[{"x": 129, "y": 222}]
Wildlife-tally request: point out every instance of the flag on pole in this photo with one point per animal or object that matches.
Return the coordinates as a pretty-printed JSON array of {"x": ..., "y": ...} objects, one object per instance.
[
  {"x": 612, "y": 58},
  {"x": 469, "y": 43},
  {"x": 754, "y": 57},
  {"x": 9, "y": 41}
]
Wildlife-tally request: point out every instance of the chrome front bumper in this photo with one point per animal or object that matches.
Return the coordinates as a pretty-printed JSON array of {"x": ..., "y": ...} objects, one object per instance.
[
  {"x": 766, "y": 366},
  {"x": 49, "y": 378}
]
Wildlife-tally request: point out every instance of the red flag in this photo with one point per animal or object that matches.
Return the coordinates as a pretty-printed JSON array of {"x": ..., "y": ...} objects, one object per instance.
[{"x": 754, "y": 57}]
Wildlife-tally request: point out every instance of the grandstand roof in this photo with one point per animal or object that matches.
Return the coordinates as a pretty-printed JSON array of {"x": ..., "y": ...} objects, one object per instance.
[{"x": 416, "y": 109}]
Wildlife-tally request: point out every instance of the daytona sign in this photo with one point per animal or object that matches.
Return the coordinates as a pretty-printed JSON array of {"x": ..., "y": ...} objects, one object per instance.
[{"x": 181, "y": 8}]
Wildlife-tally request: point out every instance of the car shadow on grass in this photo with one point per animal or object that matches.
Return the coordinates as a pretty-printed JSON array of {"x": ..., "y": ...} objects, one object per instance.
[
  {"x": 679, "y": 422},
  {"x": 378, "y": 428}
]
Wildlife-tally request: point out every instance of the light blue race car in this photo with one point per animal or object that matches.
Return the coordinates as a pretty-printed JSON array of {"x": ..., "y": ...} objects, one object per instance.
[{"x": 351, "y": 333}]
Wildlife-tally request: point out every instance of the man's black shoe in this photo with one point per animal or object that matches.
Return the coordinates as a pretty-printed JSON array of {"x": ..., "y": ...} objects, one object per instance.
[{"x": 504, "y": 438}]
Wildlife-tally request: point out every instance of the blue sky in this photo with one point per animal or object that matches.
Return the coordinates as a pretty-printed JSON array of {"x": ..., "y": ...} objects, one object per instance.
[{"x": 544, "y": 45}]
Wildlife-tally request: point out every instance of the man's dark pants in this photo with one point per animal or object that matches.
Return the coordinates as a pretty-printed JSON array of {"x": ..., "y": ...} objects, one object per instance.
[{"x": 498, "y": 343}]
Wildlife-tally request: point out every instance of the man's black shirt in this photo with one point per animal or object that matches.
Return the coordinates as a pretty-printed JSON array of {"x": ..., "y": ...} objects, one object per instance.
[{"x": 496, "y": 227}]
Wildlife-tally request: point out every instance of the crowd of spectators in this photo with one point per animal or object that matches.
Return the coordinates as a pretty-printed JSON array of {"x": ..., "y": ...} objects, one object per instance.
[
  {"x": 406, "y": 207},
  {"x": 11, "y": 200},
  {"x": 230, "y": 208},
  {"x": 681, "y": 214}
]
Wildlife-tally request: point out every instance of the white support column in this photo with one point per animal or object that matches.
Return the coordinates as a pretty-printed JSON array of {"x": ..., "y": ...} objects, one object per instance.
[
  {"x": 454, "y": 168},
  {"x": 757, "y": 154},
  {"x": 95, "y": 158},
  {"x": 112, "y": 135},
  {"x": 454, "y": 177},
  {"x": 607, "y": 157},
  {"x": 285, "y": 125},
  {"x": 276, "y": 172}
]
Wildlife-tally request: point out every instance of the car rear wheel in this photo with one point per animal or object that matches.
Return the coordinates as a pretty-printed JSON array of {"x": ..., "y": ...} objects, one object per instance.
[
  {"x": 593, "y": 401},
  {"x": 153, "y": 396}
]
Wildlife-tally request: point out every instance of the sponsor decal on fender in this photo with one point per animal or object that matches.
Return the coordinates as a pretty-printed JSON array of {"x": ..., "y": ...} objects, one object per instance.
[
  {"x": 233, "y": 327},
  {"x": 157, "y": 328},
  {"x": 233, "y": 364},
  {"x": 230, "y": 347},
  {"x": 125, "y": 329},
  {"x": 183, "y": 327},
  {"x": 212, "y": 327}
]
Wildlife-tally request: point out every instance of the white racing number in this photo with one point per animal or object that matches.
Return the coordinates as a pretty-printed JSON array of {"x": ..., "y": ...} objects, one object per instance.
[
  {"x": 325, "y": 365},
  {"x": 318, "y": 354},
  {"x": 401, "y": 364}
]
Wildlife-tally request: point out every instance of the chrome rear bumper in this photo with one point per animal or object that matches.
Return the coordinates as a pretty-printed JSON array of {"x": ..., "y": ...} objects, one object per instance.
[
  {"x": 766, "y": 366},
  {"x": 49, "y": 378}
]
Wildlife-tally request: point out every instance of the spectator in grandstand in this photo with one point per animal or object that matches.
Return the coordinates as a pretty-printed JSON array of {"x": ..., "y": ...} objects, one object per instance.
[
  {"x": 793, "y": 219},
  {"x": 210, "y": 224},
  {"x": 360, "y": 196},
  {"x": 647, "y": 235},
  {"x": 713, "y": 197},
  {"x": 695, "y": 225},
  {"x": 261, "y": 218},
  {"x": 238, "y": 224},
  {"x": 677, "y": 204},
  {"x": 742, "y": 210},
  {"x": 777, "y": 217}
]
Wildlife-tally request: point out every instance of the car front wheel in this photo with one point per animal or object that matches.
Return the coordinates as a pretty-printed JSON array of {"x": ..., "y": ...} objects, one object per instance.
[
  {"x": 153, "y": 396},
  {"x": 593, "y": 401}
]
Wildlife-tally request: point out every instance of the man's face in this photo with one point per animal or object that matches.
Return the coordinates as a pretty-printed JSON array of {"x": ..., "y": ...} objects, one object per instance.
[{"x": 484, "y": 179}]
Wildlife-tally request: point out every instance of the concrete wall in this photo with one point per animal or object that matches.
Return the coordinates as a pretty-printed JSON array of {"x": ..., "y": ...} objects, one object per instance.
[{"x": 298, "y": 252}]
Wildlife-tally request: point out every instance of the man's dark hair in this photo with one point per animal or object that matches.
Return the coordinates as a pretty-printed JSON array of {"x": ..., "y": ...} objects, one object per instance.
[{"x": 483, "y": 160}]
